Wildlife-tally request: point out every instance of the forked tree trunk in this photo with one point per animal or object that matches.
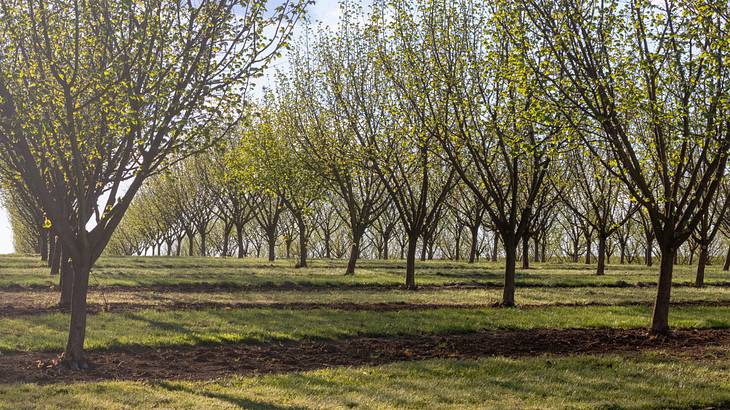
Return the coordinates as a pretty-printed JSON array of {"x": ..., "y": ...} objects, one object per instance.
[
  {"x": 411, "y": 261},
  {"x": 601, "y": 269},
  {"x": 510, "y": 250},
  {"x": 660, "y": 316},
  {"x": 701, "y": 263}
]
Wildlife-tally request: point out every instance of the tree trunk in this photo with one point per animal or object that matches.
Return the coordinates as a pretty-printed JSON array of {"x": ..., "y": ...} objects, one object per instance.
[
  {"x": 328, "y": 245},
  {"x": 495, "y": 247},
  {"x": 191, "y": 244},
  {"x": 424, "y": 246},
  {"x": 660, "y": 317},
  {"x": 411, "y": 262},
  {"x": 726, "y": 266},
  {"x": 386, "y": 249},
  {"x": 227, "y": 228},
  {"x": 74, "y": 354},
  {"x": 601, "y": 270},
  {"x": 649, "y": 255},
  {"x": 203, "y": 243},
  {"x": 701, "y": 263},
  {"x": 55, "y": 256},
  {"x": 271, "y": 240},
  {"x": 302, "y": 244},
  {"x": 543, "y": 251},
  {"x": 51, "y": 249},
  {"x": 239, "y": 240},
  {"x": 473, "y": 247},
  {"x": 65, "y": 280},
  {"x": 510, "y": 250},
  {"x": 178, "y": 250},
  {"x": 457, "y": 245},
  {"x": 354, "y": 252},
  {"x": 43, "y": 244},
  {"x": 622, "y": 250},
  {"x": 525, "y": 252},
  {"x": 588, "y": 249}
]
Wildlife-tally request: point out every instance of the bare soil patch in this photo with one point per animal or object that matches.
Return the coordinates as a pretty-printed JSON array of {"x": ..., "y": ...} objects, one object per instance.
[{"x": 210, "y": 362}]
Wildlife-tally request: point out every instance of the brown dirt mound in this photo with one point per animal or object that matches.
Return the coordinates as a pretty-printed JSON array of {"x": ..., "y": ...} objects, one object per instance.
[{"x": 212, "y": 362}]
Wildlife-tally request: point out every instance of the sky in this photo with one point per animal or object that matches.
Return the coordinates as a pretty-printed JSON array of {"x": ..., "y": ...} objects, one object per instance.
[{"x": 326, "y": 11}]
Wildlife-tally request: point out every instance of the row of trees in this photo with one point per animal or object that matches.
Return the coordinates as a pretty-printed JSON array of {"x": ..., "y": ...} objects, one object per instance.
[
  {"x": 206, "y": 213},
  {"x": 593, "y": 115},
  {"x": 600, "y": 111}
]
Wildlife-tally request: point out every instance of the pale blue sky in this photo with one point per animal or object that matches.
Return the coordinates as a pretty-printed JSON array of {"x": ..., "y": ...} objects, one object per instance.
[{"x": 327, "y": 11}]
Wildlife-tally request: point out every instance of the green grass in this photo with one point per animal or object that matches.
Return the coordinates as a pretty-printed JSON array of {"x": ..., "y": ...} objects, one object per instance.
[
  {"x": 598, "y": 381},
  {"x": 581, "y": 382},
  {"x": 136, "y": 271},
  {"x": 445, "y": 297},
  {"x": 186, "y": 327}
]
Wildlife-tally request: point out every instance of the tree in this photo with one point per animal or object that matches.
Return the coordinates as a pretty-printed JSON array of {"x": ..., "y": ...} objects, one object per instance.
[
  {"x": 96, "y": 97},
  {"x": 652, "y": 79}
]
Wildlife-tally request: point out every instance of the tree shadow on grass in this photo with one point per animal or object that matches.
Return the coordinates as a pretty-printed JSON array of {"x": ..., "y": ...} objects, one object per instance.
[{"x": 241, "y": 402}]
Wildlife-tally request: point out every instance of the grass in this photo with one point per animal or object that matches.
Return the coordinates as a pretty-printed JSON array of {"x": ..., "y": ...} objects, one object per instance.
[
  {"x": 191, "y": 327},
  {"x": 445, "y": 297},
  {"x": 580, "y": 382},
  {"x": 140, "y": 271},
  {"x": 647, "y": 380}
]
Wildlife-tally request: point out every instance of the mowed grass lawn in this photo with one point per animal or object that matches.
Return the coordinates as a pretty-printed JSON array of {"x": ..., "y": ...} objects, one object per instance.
[{"x": 646, "y": 380}]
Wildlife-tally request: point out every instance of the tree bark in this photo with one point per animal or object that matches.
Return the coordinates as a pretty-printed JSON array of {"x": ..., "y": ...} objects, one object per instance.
[
  {"x": 660, "y": 316},
  {"x": 354, "y": 253},
  {"x": 191, "y": 244},
  {"x": 43, "y": 244},
  {"x": 649, "y": 255},
  {"x": 495, "y": 247},
  {"x": 601, "y": 269},
  {"x": 701, "y": 263},
  {"x": 473, "y": 247},
  {"x": 588, "y": 249},
  {"x": 411, "y": 262},
  {"x": 74, "y": 354},
  {"x": 525, "y": 252},
  {"x": 239, "y": 240},
  {"x": 55, "y": 256},
  {"x": 386, "y": 249},
  {"x": 302, "y": 244},
  {"x": 203, "y": 243},
  {"x": 271, "y": 241},
  {"x": 510, "y": 250},
  {"x": 65, "y": 280},
  {"x": 726, "y": 266}
]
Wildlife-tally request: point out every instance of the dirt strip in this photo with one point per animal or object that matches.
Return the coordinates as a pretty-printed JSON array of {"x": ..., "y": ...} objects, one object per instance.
[
  {"x": 326, "y": 287},
  {"x": 14, "y": 310},
  {"x": 216, "y": 361}
]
